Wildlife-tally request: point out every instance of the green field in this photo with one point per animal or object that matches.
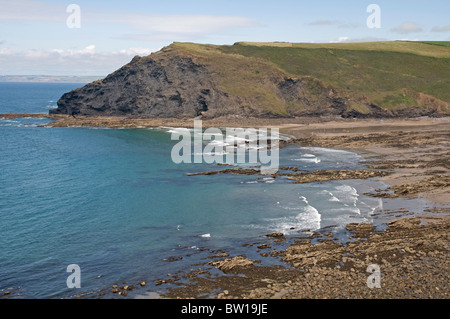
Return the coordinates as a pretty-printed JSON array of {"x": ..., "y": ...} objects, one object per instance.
[
  {"x": 443, "y": 43},
  {"x": 392, "y": 75}
]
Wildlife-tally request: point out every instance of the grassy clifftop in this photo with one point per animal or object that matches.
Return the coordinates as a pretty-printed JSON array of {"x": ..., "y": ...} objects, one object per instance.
[{"x": 400, "y": 75}]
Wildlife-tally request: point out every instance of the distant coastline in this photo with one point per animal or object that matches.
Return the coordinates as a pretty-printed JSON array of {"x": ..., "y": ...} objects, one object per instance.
[{"x": 49, "y": 78}]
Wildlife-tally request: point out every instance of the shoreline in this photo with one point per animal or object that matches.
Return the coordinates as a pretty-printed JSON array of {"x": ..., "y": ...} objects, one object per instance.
[
  {"x": 412, "y": 252},
  {"x": 415, "y": 153},
  {"x": 303, "y": 126}
]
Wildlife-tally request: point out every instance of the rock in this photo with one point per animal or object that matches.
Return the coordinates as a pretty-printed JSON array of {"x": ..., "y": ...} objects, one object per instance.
[
  {"x": 275, "y": 235},
  {"x": 173, "y": 258},
  {"x": 406, "y": 223},
  {"x": 232, "y": 264},
  {"x": 274, "y": 253},
  {"x": 160, "y": 282}
]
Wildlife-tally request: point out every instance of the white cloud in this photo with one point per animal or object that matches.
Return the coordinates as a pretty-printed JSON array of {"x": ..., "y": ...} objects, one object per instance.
[
  {"x": 364, "y": 39},
  {"x": 136, "y": 51},
  {"x": 85, "y": 61},
  {"x": 445, "y": 28},
  {"x": 340, "y": 40},
  {"x": 6, "y": 51},
  {"x": 407, "y": 27}
]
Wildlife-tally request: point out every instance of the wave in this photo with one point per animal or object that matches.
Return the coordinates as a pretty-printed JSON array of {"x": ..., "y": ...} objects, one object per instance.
[
  {"x": 349, "y": 194},
  {"x": 306, "y": 217},
  {"x": 310, "y": 218},
  {"x": 303, "y": 198},
  {"x": 332, "y": 197},
  {"x": 177, "y": 130},
  {"x": 348, "y": 209},
  {"x": 212, "y": 134},
  {"x": 170, "y": 129},
  {"x": 327, "y": 150},
  {"x": 310, "y": 158},
  {"x": 290, "y": 208},
  {"x": 218, "y": 143}
]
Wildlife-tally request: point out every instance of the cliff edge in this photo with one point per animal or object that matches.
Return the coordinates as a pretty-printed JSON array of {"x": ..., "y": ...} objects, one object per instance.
[{"x": 188, "y": 80}]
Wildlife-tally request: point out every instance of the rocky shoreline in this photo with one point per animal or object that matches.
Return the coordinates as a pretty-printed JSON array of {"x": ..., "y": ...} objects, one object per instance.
[
  {"x": 411, "y": 252},
  {"x": 303, "y": 177},
  {"x": 411, "y": 156}
]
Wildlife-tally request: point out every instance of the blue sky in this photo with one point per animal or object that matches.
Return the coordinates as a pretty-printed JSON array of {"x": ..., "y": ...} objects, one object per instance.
[{"x": 35, "y": 38}]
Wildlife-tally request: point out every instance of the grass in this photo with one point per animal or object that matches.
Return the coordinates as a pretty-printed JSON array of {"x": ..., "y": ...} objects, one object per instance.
[
  {"x": 442, "y": 43},
  {"x": 389, "y": 74},
  {"x": 414, "y": 47},
  {"x": 373, "y": 73}
]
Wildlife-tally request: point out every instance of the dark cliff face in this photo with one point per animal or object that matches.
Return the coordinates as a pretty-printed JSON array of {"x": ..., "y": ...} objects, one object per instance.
[{"x": 146, "y": 87}]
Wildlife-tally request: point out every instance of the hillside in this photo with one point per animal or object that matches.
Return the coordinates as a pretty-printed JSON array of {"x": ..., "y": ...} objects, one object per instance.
[{"x": 379, "y": 79}]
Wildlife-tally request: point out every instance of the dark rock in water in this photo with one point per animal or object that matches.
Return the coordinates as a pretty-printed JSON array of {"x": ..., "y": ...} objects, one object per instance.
[
  {"x": 173, "y": 258},
  {"x": 275, "y": 235}
]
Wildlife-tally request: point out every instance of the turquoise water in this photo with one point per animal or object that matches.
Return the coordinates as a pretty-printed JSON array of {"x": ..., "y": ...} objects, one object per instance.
[{"x": 114, "y": 203}]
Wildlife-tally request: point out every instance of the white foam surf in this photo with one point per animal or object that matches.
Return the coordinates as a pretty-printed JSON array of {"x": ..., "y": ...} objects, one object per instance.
[{"x": 332, "y": 198}]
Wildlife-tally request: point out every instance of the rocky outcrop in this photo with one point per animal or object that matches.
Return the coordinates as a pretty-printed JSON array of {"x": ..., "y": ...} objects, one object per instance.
[
  {"x": 149, "y": 87},
  {"x": 175, "y": 83},
  {"x": 232, "y": 264}
]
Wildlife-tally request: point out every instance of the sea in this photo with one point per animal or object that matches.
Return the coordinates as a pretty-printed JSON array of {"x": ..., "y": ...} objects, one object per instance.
[{"x": 114, "y": 203}]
